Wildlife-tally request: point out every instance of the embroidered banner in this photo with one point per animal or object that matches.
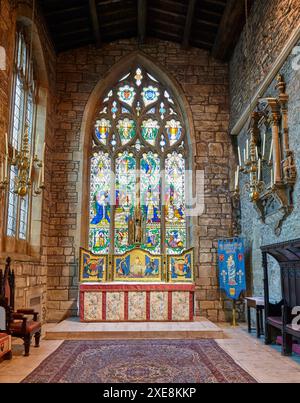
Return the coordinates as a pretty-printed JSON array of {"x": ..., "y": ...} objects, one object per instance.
[{"x": 231, "y": 258}]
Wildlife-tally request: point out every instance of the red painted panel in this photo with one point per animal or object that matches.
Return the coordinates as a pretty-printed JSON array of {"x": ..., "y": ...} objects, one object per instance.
[
  {"x": 81, "y": 306},
  {"x": 137, "y": 287}
]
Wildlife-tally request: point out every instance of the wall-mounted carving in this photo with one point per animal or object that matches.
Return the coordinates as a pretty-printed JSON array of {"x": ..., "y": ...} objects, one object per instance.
[{"x": 268, "y": 161}]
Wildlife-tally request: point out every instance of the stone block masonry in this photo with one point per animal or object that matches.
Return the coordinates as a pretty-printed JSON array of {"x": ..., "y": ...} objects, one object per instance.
[
  {"x": 205, "y": 85},
  {"x": 73, "y": 75},
  {"x": 30, "y": 266},
  {"x": 270, "y": 25}
]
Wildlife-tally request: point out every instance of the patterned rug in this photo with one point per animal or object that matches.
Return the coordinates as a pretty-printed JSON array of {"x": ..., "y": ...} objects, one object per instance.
[{"x": 139, "y": 361}]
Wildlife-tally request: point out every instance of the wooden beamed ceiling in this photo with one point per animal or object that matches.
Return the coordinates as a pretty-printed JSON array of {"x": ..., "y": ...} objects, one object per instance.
[{"x": 214, "y": 25}]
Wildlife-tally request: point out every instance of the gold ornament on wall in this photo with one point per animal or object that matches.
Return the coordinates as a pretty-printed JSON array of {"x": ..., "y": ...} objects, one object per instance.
[{"x": 271, "y": 173}]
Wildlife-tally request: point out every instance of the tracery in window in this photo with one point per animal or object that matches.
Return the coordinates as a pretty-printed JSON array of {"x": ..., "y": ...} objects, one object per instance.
[{"x": 138, "y": 156}]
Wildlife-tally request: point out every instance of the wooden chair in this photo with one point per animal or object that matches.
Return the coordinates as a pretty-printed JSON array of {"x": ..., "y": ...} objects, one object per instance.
[
  {"x": 17, "y": 323},
  {"x": 279, "y": 317}
]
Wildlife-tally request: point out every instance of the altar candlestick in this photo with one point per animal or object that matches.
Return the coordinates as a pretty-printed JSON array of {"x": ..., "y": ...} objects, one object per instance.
[
  {"x": 6, "y": 166},
  {"x": 239, "y": 153},
  {"x": 244, "y": 155},
  {"x": 43, "y": 173},
  {"x": 256, "y": 153},
  {"x": 247, "y": 150},
  {"x": 272, "y": 178},
  {"x": 43, "y": 164},
  {"x": 264, "y": 146},
  {"x": 259, "y": 170},
  {"x": 30, "y": 170},
  {"x": 39, "y": 178},
  {"x": 6, "y": 144},
  {"x": 43, "y": 155},
  {"x": 271, "y": 151},
  {"x": 237, "y": 177},
  {"x": 36, "y": 143},
  {"x": 19, "y": 140}
]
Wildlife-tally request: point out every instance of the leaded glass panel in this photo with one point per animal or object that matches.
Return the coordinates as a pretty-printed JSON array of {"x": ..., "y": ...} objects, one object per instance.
[
  {"x": 12, "y": 204},
  {"x": 175, "y": 203},
  {"x": 125, "y": 198},
  {"x": 23, "y": 217},
  {"x": 100, "y": 209},
  {"x": 150, "y": 200},
  {"x": 140, "y": 127},
  {"x": 23, "y": 111}
]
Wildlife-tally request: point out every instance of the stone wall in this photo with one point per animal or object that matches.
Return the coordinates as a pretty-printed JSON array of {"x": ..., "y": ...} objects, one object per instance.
[
  {"x": 271, "y": 22},
  {"x": 255, "y": 232},
  {"x": 205, "y": 85},
  {"x": 30, "y": 266},
  {"x": 7, "y": 29}
]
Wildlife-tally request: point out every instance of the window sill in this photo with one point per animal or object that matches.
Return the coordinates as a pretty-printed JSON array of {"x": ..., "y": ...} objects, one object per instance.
[{"x": 18, "y": 250}]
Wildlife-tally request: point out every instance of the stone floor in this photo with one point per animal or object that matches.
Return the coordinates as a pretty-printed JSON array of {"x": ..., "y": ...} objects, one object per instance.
[{"x": 264, "y": 363}]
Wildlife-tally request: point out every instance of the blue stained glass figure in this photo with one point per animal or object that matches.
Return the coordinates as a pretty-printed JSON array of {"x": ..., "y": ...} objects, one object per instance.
[{"x": 102, "y": 209}]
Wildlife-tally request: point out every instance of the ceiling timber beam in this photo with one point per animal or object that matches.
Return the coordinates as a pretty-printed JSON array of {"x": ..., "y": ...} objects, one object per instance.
[
  {"x": 95, "y": 22},
  {"x": 142, "y": 20},
  {"x": 230, "y": 28},
  {"x": 188, "y": 23}
]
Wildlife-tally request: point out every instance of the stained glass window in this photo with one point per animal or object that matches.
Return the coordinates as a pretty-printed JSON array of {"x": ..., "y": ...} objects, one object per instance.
[
  {"x": 125, "y": 198},
  {"x": 138, "y": 160},
  {"x": 150, "y": 200},
  {"x": 175, "y": 203},
  {"x": 100, "y": 203}
]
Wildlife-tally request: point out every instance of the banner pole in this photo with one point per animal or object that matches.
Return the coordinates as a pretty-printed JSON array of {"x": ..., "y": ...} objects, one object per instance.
[{"x": 234, "y": 324}]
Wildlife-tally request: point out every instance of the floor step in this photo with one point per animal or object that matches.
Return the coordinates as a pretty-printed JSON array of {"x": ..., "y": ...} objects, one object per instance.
[{"x": 73, "y": 329}]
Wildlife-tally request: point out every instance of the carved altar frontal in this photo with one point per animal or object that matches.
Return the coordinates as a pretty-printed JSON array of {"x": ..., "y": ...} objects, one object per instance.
[{"x": 136, "y": 286}]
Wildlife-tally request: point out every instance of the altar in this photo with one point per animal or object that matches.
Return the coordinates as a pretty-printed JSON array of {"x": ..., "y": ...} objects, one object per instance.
[{"x": 136, "y": 286}]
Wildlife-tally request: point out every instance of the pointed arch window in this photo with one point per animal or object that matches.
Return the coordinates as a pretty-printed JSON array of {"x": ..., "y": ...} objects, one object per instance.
[
  {"x": 23, "y": 111},
  {"x": 138, "y": 153}
]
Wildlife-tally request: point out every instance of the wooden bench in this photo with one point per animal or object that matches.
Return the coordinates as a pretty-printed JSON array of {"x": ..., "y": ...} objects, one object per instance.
[{"x": 280, "y": 319}]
